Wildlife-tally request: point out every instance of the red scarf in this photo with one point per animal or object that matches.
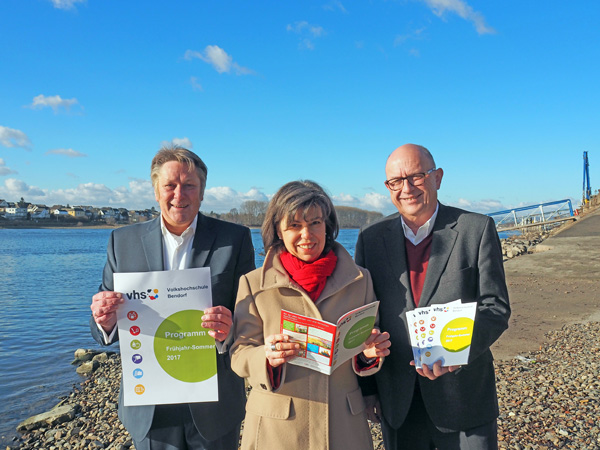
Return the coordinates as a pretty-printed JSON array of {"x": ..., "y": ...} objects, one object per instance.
[{"x": 310, "y": 276}]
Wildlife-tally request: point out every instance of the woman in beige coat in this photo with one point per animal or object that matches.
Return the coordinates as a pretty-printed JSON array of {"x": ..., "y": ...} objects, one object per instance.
[{"x": 305, "y": 272}]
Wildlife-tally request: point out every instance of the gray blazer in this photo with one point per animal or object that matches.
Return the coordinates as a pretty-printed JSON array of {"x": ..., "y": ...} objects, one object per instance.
[
  {"x": 465, "y": 263},
  {"x": 227, "y": 249}
]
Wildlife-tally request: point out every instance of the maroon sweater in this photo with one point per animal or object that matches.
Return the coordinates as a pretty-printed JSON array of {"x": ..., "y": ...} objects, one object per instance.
[{"x": 417, "y": 257}]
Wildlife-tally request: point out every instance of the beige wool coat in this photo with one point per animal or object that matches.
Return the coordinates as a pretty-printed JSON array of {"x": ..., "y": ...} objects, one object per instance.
[{"x": 309, "y": 410}]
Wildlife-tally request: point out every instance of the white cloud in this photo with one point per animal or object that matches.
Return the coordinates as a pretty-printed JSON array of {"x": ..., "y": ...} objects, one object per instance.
[
  {"x": 183, "y": 142},
  {"x": 4, "y": 170},
  {"x": 14, "y": 189},
  {"x": 196, "y": 86},
  {"x": 304, "y": 27},
  {"x": 10, "y": 137},
  {"x": 335, "y": 5},
  {"x": 482, "y": 206},
  {"x": 96, "y": 194},
  {"x": 69, "y": 152},
  {"x": 307, "y": 33},
  {"x": 55, "y": 102},
  {"x": 138, "y": 194},
  {"x": 371, "y": 201},
  {"x": 219, "y": 59},
  {"x": 463, "y": 10},
  {"x": 415, "y": 35},
  {"x": 222, "y": 198},
  {"x": 141, "y": 188},
  {"x": 345, "y": 199},
  {"x": 179, "y": 142},
  {"x": 378, "y": 202},
  {"x": 65, "y": 4}
]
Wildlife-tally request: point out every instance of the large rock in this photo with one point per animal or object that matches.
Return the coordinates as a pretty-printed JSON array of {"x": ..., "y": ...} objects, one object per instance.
[
  {"x": 55, "y": 416},
  {"x": 82, "y": 355},
  {"x": 87, "y": 368},
  {"x": 101, "y": 357}
]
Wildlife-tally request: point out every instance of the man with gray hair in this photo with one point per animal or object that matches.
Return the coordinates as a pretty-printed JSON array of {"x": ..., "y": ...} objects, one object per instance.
[
  {"x": 181, "y": 238},
  {"x": 428, "y": 254}
]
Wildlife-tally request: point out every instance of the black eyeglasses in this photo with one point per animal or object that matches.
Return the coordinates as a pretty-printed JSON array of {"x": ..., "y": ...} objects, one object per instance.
[{"x": 416, "y": 179}]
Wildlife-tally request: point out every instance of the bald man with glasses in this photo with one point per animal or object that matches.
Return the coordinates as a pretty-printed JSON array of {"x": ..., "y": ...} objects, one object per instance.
[{"x": 428, "y": 254}]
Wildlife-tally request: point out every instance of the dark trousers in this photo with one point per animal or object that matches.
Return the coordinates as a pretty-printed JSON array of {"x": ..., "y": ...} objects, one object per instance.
[
  {"x": 419, "y": 433},
  {"x": 173, "y": 428}
]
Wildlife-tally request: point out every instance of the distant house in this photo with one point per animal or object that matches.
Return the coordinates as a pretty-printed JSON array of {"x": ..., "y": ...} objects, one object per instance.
[
  {"x": 37, "y": 212},
  {"x": 60, "y": 212},
  {"x": 140, "y": 215},
  {"x": 109, "y": 214},
  {"x": 3, "y": 205},
  {"x": 76, "y": 212},
  {"x": 123, "y": 215},
  {"x": 88, "y": 211},
  {"x": 95, "y": 212},
  {"x": 14, "y": 212}
]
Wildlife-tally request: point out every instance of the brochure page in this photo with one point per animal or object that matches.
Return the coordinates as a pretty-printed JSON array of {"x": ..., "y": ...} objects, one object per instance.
[
  {"x": 323, "y": 345},
  {"x": 166, "y": 355},
  {"x": 442, "y": 332}
]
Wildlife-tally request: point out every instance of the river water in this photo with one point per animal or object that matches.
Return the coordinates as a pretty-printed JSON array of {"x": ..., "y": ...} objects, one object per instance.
[{"x": 47, "y": 279}]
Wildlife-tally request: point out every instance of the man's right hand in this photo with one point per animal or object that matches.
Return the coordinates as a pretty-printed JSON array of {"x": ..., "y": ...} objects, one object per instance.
[
  {"x": 436, "y": 370},
  {"x": 104, "y": 309}
]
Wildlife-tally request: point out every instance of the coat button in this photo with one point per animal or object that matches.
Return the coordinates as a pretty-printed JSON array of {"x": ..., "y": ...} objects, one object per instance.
[{"x": 262, "y": 385}]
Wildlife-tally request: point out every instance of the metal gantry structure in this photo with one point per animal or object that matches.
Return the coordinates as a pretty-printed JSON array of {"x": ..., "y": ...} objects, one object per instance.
[
  {"x": 587, "y": 190},
  {"x": 544, "y": 215}
]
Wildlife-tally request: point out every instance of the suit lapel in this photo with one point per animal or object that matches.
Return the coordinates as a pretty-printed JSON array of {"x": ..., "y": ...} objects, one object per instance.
[
  {"x": 444, "y": 237},
  {"x": 153, "y": 246},
  {"x": 396, "y": 255},
  {"x": 203, "y": 241}
]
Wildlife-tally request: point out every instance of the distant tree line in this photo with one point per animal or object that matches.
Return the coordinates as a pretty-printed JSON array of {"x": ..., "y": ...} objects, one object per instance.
[{"x": 252, "y": 214}]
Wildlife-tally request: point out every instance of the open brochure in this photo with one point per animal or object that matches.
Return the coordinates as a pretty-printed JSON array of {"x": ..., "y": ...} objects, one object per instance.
[
  {"x": 324, "y": 345},
  {"x": 442, "y": 332}
]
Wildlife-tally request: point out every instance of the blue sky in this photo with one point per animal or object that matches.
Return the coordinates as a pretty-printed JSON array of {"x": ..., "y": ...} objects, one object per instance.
[{"x": 504, "y": 94}]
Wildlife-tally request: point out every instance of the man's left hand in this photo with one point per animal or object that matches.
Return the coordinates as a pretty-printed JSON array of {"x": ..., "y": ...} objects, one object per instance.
[
  {"x": 219, "y": 320},
  {"x": 436, "y": 370}
]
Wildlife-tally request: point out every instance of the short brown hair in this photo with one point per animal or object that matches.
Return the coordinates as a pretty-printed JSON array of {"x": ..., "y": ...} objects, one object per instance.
[
  {"x": 182, "y": 155},
  {"x": 289, "y": 199}
]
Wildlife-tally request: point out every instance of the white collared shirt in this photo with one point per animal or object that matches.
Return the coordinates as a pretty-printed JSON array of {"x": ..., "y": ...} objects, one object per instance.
[
  {"x": 177, "y": 250},
  {"x": 423, "y": 231}
]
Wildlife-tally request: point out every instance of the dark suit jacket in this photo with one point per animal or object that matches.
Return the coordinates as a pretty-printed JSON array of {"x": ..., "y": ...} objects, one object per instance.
[
  {"x": 227, "y": 249},
  {"x": 465, "y": 263}
]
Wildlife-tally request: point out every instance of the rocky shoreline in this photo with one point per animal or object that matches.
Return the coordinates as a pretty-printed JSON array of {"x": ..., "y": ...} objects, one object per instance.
[{"x": 549, "y": 399}]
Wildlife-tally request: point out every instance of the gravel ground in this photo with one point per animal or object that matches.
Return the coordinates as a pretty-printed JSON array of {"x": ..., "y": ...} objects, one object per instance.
[{"x": 549, "y": 399}]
